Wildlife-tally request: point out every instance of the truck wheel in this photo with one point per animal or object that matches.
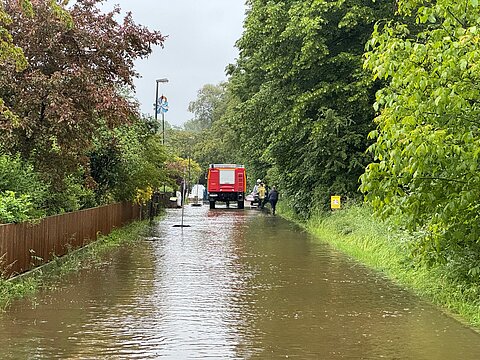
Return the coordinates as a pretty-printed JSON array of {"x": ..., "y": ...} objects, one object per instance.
[
  {"x": 240, "y": 204},
  {"x": 212, "y": 204}
]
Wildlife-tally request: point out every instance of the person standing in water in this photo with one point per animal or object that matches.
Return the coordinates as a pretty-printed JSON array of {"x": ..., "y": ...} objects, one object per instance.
[
  {"x": 273, "y": 198},
  {"x": 261, "y": 195}
]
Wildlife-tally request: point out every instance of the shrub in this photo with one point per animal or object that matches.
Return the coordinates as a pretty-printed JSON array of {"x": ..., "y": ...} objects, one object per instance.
[
  {"x": 15, "y": 209},
  {"x": 19, "y": 176}
]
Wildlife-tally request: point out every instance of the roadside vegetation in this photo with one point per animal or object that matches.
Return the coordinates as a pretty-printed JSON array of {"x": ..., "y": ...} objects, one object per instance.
[
  {"x": 49, "y": 276},
  {"x": 72, "y": 133}
]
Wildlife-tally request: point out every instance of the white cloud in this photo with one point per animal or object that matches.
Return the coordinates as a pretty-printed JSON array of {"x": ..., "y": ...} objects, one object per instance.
[{"x": 200, "y": 44}]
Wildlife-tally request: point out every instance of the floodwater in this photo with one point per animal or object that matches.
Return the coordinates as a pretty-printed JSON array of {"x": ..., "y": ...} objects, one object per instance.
[{"x": 236, "y": 284}]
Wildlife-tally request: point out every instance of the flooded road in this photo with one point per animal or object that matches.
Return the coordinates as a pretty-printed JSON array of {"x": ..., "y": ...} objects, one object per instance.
[{"x": 236, "y": 284}]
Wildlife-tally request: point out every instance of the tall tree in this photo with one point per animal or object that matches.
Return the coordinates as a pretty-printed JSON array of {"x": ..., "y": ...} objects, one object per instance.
[
  {"x": 73, "y": 82},
  {"x": 305, "y": 100},
  {"x": 207, "y": 108},
  {"x": 208, "y": 138},
  {"x": 10, "y": 54}
]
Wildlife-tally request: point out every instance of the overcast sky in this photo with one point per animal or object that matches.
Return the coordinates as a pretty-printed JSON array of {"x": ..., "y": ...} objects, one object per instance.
[{"x": 200, "y": 44}]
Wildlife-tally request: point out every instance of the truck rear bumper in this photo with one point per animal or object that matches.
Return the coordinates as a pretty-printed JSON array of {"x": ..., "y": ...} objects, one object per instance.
[{"x": 230, "y": 196}]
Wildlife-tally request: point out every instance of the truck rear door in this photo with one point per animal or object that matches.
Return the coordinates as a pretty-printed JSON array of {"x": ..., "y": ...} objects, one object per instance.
[
  {"x": 227, "y": 180},
  {"x": 240, "y": 183},
  {"x": 213, "y": 184}
]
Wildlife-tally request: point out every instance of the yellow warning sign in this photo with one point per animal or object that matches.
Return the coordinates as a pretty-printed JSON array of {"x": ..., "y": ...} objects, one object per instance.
[{"x": 335, "y": 202}]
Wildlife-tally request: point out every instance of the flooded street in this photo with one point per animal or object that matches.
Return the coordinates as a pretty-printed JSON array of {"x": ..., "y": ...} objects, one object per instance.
[{"x": 236, "y": 284}]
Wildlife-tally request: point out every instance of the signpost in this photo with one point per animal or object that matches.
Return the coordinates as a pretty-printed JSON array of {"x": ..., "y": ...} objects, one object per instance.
[{"x": 161, "y": 107}]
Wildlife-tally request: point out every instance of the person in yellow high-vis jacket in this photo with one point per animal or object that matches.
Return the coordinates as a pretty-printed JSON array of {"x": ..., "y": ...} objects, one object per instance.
[{"x": 261, "y": 195}]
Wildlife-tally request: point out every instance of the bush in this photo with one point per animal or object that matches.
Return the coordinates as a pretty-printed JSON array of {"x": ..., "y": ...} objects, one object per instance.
[
  {"x": 19, "y": 176},
  {"x": 15, "y": 209},
  {"x": 72, "y": 197}
]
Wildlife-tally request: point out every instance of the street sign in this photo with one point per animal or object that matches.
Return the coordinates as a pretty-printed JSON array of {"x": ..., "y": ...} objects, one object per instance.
[
  {"x": 162, "y": 105},
  {"x": 335, "y": 202}
]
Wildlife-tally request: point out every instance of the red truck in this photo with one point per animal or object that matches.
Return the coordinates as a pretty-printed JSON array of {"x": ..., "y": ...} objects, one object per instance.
[{"x": 226, "y": 182}]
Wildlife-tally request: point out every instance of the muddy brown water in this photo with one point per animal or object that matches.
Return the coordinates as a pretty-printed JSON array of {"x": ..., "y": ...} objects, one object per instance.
[{"x": 236, "y": 284}]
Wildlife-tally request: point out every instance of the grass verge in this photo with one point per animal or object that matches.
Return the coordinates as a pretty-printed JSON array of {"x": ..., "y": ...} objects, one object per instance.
[
  {"x": 384, "y": 247},
  {"x": 44, "y": 277}
]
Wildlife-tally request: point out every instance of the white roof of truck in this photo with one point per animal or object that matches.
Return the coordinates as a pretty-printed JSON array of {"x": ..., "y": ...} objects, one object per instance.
[{"x": 226, "y": 166}]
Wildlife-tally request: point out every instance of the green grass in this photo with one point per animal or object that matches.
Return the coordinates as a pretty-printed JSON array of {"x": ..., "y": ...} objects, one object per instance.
[
  {"x": 49, "y": 275},
  {"x": 383, "y": 246}
]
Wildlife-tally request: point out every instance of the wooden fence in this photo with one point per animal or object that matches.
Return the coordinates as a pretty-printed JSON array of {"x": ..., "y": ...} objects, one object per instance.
[{"x": 24, "y": 246}]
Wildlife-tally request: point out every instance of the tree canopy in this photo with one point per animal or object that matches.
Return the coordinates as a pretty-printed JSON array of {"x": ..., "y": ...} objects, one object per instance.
[
  {"x": 73, "y": 81},
  {"x": 427, "y": 140},
  {"x": 305, "y": 100},
  {"x": 67, "y": 117},
  {"x": 207, "y": 108}
]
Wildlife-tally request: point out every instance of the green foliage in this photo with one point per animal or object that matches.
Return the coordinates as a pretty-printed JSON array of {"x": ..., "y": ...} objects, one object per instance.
[
  {"x": 304, "y": 99},
  {"x": 427, "y": 142},
  {"x": 24, "y": 195},
  {"x": 9, "y": 290},
  {"x": 20, "y": 177},
  {"x": 181, "y": 142},
  {"x": 208, "y": 138},
  {"x": 30, "y": 197},
  {"x": 180, "y": 169},
  {"x": 15, "y": 209},
  {"x": 80, "y": 61},
  {"x": 73, "y": 195},
  {"x": 218, "y": 144},
  {"x": 125, "y": 160},
  {"x": 69, "y": 113},
  {"x": 207, "y": 108},
  {"x": 9, "y": 52}
]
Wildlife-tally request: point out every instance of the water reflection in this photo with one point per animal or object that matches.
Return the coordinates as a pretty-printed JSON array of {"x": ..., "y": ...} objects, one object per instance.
[{"x": 234, "y": 285}]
